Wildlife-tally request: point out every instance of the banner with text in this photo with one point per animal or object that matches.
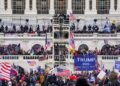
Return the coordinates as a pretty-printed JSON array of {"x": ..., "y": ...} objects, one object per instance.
[
  {"x": 117, "y": 65},
  {"x": 85, "y": 62}
]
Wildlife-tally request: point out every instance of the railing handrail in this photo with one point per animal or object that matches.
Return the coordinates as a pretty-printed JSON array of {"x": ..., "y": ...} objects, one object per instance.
[{"x": 23, "y": 56}]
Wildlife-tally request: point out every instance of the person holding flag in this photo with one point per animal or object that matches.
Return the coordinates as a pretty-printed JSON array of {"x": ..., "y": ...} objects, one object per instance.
[
  {"x": 72, "y": 43},
  {"x": 47, "y": 44}
]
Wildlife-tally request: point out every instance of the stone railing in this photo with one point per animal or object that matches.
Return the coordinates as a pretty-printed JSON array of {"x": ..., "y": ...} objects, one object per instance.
[
  {"x": 24, "y": 35},
  {"x": 25, "y": 57},
  {"x": 96, "y": 34},
  {"x": 109, "y": 57},
  {"x": 108, "y": 61}
]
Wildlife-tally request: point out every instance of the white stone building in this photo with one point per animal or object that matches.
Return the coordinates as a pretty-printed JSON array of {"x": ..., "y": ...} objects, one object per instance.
[
  {"x": 84, "y": 9},
  {"x": 42, "y": 11}
]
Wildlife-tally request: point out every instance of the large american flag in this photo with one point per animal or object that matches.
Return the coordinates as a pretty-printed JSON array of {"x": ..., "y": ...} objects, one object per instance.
[
  {"x": 5, "y": 69},
  {"x": 72, "y": 43}
]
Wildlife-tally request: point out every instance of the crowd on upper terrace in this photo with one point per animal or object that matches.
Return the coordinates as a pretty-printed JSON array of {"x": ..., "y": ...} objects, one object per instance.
[
  {"x": 76, "y": 25},
  {"x": 16, "y": 49},
  {"x": 105, "y": 50},
  {"x": 25, "y": 29},
  {"x": 112, "y": 28}
]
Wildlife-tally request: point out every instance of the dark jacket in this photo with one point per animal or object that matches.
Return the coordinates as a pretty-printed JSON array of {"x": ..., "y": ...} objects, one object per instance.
[
  {"x": 114, "y": 83},
  {"x": 71, "y": 83}
]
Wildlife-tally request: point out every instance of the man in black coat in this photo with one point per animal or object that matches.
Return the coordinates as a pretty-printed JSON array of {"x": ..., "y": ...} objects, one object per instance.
[{"x": 82, "y": 82}]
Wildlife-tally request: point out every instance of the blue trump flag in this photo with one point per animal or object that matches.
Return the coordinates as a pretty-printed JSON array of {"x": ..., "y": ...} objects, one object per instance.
[
  {"x": 85, "y": 62},
  {"x": 117, "y": 65}
]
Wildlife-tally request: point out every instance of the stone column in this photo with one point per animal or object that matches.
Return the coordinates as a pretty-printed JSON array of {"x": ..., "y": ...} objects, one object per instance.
[
  {"x": 34, "y": 7},
  {"x": 69, "y": 10},
  {"x": 94, "y": 10},
  {"x": 118, "y": 7},
  {"x": 27, "y": 6},
  {"x": 112, "y": 9},
  {"x": 52, "y": 10},
  {"x": 2, "y": 7},
  {"x": 9, "y": 9},
  {"x": 87, "y": 9}
]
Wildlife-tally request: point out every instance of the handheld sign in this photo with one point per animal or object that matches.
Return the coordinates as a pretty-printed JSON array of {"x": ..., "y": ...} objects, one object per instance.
[
  {"x": 101, "y": 75},
  {"x": 117, "y": 65}
]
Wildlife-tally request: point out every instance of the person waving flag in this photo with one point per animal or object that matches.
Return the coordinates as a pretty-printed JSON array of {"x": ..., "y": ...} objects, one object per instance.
[
  {"x": 47, "y": 44},
  {"x": 72, "y": 43}
]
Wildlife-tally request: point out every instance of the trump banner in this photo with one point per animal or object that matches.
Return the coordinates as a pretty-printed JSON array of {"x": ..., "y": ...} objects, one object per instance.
[
  {"x": 117, "y": 65},
  {"x": 85, "y": 62}
]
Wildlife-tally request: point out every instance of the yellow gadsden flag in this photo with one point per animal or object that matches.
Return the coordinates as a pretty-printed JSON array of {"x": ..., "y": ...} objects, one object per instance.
[
  {"x": 72, "y": 43},
  {"x": 72, "y": 50},
  {"x": 113, "y": 21}
]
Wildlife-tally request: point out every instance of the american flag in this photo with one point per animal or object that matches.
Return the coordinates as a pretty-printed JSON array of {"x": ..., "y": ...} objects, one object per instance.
[
  {"x": 72, "y": 17},
  {"x": 59, "y": 70},
  {"x": 47, "y": 44},
  {"x": 72, "y": 43},
  {"x": 5, "y": 69},
  {"x": 63, "y": 72},
  {"x": 31, "y": 63}
]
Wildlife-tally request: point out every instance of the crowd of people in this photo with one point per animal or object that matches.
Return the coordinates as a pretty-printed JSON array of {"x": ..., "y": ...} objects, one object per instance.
[
  {"x": 25, "y": 29},
  {"x": 94, "y": 28},
  {"x": 44, "y": 78},
  {"x": 61, "y": 18},
  {"x": 16, "y": 49},
  {"x": 105, "y": 50},
  {"x": 75, "y": 26},
  {"x": 110, "y": 50}
]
